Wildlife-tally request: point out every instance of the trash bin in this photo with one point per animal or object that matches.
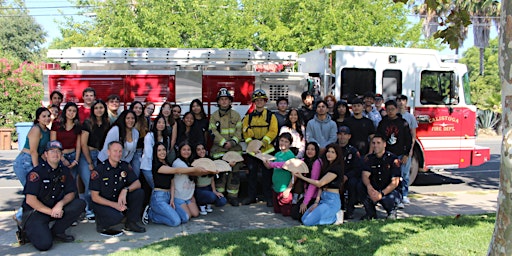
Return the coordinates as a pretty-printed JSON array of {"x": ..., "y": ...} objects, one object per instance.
[
  {"x": 5, "y": 138},
  {"x": 22, "y": 130}
]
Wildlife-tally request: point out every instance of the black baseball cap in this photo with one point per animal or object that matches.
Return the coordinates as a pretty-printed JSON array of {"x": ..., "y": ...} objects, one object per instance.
[{"x": 344, "y": 129}]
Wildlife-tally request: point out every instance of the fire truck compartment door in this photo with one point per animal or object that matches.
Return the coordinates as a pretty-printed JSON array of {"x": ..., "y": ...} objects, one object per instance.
[{"x": 188, "y": 87}]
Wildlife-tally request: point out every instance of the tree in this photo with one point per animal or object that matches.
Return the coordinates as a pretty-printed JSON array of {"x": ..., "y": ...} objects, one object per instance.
[
  {"x": 277, "y": 25},
  {"x": 501, "y": 243},
  {"x": 20, "y": 34},
  {"x": 482, "y": 12},
  {"x": 485, "y": 89}
]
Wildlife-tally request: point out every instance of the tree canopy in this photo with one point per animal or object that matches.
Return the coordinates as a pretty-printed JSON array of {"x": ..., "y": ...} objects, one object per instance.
[
  {"x": 20, "y": 35},
  {"x": 277, "y": 25}
]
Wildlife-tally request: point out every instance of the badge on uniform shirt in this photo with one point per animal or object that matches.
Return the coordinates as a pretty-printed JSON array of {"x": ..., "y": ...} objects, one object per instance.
[
  {"x": 63, "y": 178},
  {"x": 396, "y": 163},
  {"x": 94, "y": 175},
  {"x": 33, "y": 177},
  {"x": 123, "y": 174}
]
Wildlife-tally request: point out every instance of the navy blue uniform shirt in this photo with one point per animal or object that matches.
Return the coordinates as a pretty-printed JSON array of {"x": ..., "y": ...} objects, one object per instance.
[
  {"x": 48, "y": 185},
  {"x": 382, "y": 170},
  {"x": 109, "y": 180}
]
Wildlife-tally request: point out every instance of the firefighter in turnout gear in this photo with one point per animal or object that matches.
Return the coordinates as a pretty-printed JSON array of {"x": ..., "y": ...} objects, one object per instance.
[
  {"x": 226, "y": 127},
  {"x": 261, "y": 124}
]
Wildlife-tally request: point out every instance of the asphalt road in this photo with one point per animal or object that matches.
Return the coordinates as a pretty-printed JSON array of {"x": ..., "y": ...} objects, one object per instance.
[{"x": 485, "y": 176}]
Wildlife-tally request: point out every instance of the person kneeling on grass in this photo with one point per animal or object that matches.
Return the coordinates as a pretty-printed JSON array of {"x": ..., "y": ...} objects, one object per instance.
[
  {"x": 326, "y": 209},
  {"x": 115, "y": 192}
]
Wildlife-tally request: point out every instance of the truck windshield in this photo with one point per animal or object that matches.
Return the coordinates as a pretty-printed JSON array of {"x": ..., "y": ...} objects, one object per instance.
[
  {"x": 437, "y": 88},
  {"x": 467, "y": 89}
]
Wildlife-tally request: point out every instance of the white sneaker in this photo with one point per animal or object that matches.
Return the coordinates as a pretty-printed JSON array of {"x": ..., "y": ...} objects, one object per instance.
[
  {"x": 202, "y": 210},
  {"x": 339, "y": 218},
  {"x": 406, "y": 200},
  {"x": 145, "y": 215},
  {"x": 209, "y": 208},
  {"x": 401, "y": 206}
]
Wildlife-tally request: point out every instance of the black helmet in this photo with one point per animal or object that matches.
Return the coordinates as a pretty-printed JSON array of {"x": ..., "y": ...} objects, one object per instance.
[
  {"x": 259, "y": 94},
  {"x": 223, "y": 92}
]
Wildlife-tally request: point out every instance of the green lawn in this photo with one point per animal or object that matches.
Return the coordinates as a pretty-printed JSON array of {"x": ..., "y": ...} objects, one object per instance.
[{"x": 467, "y": 235}]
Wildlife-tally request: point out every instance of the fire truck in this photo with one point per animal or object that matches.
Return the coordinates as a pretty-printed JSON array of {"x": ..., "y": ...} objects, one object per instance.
[{"x": 438, "y": 90}]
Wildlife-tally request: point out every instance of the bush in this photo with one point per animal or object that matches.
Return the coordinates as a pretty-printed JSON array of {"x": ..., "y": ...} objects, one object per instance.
[
  {"x": 21, "y": 91},
  {"x": 488, "y": 120}
]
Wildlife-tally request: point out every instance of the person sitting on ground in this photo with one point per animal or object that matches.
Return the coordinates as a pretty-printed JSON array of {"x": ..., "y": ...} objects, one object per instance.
[
  {"x": 312, "y": 160},
  {"x": 184, "y": 185},
  {"x": 115, "y": 191},
  {"x": 381, "y": 176},
  {"x": 162, "y": 208},
  {"x": 50, "y": 196},
  {"x": 206, "y": 194},
  {"x": 327, "y": 207}
]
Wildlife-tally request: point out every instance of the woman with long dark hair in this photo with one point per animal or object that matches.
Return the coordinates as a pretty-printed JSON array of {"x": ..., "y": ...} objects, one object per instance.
[
  {"x": 295, "y": 127},
  {"x": 67, "y": 130},
  {"x": 142, "y": 127},
  {"x": 187, "y": 131},
  {"x": 309, "y": 191},
  {"x": 123, "y": 130},
  {"x": 184, "y": 185},
  {"x": 327, "y": 204},
  {"x": 157, "y": 134},
  {"x": 200, "y": 118},
  {"x": 172, "y": 129},
  {"x": 94, "y": 130},
  {"x": 35, "y": 144}
]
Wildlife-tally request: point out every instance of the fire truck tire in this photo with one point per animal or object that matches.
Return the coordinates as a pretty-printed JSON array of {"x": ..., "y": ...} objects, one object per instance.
[{"x": 415, "y": 165}]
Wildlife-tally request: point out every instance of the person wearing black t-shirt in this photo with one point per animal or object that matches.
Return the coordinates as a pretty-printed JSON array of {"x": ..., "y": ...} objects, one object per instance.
[{"x": 362, "y": 128}]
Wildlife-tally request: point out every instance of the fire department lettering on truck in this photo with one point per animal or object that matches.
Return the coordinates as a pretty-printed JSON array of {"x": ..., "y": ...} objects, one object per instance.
[{"x": 437, "y": 89}]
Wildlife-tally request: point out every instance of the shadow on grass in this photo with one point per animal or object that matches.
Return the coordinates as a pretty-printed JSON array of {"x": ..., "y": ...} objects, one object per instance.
[{"x": 359, "y": 238}]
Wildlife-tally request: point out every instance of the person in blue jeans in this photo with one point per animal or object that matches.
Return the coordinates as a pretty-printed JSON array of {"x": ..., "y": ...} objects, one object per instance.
[
  {"x": 206, "y": 193},
  {"x": 94, "y": 129},
  {"x": 327, "y": 207},
  {"x": 161, "y": 209}
]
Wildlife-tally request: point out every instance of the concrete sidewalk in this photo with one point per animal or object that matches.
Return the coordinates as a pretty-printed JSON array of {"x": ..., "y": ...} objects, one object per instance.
[{"x": 228, "y": 218}]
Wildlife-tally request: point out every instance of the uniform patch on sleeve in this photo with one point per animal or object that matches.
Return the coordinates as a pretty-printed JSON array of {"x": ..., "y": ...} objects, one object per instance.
[
  {"x": 94, "y": 175},
  {"x": 33, "y": 177},
  {"x": 396, "y": 163}
]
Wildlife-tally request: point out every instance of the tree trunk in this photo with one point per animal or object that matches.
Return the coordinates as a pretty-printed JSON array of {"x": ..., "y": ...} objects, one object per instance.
[
  {"x": 501, "y": 243},
  {"x": 482, "y": 52}
]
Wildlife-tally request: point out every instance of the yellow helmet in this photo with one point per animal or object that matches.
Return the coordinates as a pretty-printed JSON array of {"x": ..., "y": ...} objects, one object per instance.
[{"x": 259, "y": 94}]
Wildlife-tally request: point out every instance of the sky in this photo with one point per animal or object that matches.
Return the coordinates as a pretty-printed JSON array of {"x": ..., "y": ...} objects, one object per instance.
[{"x": 47, "y": 13}]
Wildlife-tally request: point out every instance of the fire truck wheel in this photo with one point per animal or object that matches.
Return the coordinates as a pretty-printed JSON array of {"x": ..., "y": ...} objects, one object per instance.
[{"x": 413, "y": 173}]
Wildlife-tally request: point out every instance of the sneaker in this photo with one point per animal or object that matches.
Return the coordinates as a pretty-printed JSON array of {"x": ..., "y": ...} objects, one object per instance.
[
  {"x": 75, "y": 223},
  {"x": 209, "y": 208},
  {"x": 406, "y": 200},
  {"x": 248, "y": 201},
  {"x": 339, "y": 218},
  {"x": 401, "y": 205},
  {"x": 132, "y": 226},
  {"x": 111, "y": 233},
  {"x": 145, "y": 215},
  {"x": 392, "y": 215},
  {"x": 202, "y": 210},
  {"x": 91, "y": 219}
]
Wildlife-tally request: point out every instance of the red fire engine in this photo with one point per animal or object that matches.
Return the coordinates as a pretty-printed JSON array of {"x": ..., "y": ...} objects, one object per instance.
[{"x": 438, "y": 91}]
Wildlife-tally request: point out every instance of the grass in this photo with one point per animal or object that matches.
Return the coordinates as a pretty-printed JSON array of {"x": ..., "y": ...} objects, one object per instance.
[{"x": 465, "y": 235}]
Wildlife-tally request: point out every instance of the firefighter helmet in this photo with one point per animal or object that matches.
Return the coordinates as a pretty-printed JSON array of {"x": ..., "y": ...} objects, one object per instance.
[
  {"x": 259, "y": 94},
  {"x": 223, "y": 92}
]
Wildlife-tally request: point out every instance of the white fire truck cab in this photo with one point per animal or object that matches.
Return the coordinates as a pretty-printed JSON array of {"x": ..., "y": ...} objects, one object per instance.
[{"x": 438, "y": 92}]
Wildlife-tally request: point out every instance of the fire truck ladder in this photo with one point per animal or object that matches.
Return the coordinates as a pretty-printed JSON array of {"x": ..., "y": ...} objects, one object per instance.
[{"x": 171, "y": 56}]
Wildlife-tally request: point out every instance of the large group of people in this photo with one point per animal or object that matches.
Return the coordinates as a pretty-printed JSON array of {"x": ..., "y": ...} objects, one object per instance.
[{"x": 114, "y": 165}]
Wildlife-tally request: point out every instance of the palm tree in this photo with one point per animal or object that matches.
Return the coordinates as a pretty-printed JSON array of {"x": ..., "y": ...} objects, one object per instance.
[{"x": 483, "y": 14}]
